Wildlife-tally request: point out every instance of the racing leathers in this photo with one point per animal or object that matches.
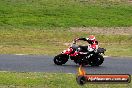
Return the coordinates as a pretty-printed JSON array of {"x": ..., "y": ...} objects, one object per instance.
[{"x": 92, "y": 46}]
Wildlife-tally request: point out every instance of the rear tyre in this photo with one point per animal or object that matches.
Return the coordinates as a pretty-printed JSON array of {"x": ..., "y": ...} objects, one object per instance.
[
  {"x": 97, "y": 60},
  {"x": 100, "y": 59},
  {"x": 60, "y": 59}
]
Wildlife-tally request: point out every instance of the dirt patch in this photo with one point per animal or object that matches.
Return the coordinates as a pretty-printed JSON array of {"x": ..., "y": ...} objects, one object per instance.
[{"x": 104, "y": 30}]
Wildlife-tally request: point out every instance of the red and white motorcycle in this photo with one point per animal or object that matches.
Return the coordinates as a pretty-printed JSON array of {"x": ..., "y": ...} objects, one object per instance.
[{"x": 80, "y": 55}]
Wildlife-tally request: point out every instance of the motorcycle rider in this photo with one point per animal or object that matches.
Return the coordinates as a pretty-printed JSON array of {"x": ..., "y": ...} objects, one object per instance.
[{"x": 92, "y": 46}]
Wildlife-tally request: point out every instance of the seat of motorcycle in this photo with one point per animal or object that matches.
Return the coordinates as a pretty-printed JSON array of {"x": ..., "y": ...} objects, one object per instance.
[{"x": 101, "y": 50}]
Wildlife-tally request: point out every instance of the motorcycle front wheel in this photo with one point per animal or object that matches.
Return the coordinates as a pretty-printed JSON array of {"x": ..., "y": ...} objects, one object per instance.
[{"x": 60, "y": 59}]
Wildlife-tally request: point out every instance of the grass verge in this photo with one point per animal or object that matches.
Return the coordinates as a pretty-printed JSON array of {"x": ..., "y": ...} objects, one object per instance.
[
  {"x": 52, "y": 42},
  {"x": 47, "y": 80}
]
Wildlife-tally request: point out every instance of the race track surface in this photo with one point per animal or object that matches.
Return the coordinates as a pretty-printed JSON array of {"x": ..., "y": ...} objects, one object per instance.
[{"x": 41, "y": 63}]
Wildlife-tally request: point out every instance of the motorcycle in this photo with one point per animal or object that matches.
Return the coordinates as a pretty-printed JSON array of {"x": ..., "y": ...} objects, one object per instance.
[{"x": 80, "y": 55}]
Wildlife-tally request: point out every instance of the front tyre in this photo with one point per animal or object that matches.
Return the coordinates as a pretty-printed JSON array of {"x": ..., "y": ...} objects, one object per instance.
[{"x": 60, "y": 59}]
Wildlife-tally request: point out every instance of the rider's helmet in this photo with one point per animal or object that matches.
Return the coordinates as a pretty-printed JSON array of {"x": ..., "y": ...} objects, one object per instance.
[{"x": 91, "y": 39}]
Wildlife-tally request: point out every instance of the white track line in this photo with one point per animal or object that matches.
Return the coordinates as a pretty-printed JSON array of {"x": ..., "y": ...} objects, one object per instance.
[
  {"x": 105, "y": 56},
  {"x": 20, "y": 54}
]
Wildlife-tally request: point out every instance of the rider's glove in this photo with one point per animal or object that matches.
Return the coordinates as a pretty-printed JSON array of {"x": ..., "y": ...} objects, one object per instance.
[
  {"x": 76, "y": 39},
  {"x": 74, "y": 42}
]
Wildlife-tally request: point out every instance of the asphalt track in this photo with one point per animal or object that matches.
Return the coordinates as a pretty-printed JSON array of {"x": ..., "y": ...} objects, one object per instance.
[{"x": 42, "y": 63}]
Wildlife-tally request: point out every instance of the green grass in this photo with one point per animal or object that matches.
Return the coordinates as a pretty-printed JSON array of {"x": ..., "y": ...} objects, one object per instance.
[
  {"x": 42, "y": 26},
  {"x": 47, "y": 80},
  {"x": 52, "y": 42},
  {"x": 118, "y": 49},
  {"x": 64, "y": 13}
]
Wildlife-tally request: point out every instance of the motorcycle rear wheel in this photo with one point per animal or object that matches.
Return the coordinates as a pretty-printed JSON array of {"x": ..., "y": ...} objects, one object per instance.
[{"x": 98, "y": 60}]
